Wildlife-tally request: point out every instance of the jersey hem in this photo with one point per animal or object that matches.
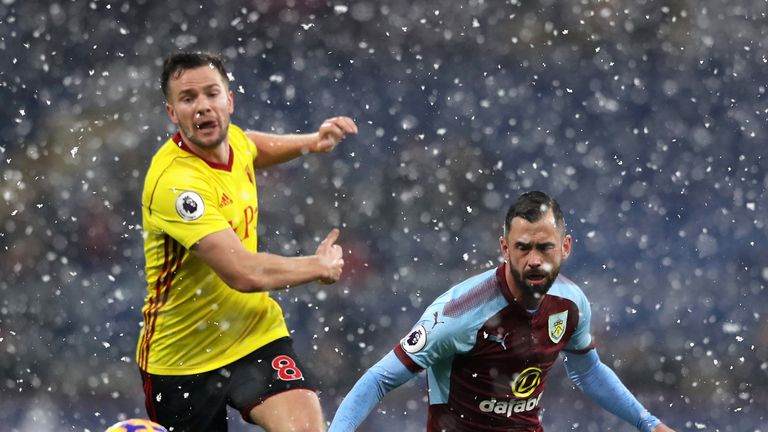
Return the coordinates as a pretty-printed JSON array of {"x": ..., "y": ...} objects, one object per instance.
[
  {"x": 584, "y": 350},
  {"x": 237, "y": 355},
  {"x": 204, "y": 235},
  {"x": 406, "y": 360}
]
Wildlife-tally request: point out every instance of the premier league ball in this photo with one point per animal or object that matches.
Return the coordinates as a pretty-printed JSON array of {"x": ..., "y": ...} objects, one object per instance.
[{"x": 136, "y": 425}]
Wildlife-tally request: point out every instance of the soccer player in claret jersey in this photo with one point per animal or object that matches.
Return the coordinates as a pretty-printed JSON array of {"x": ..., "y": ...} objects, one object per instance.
[
  {"x": 212, "y": 336},
  {"x": 488, "y": 342}
]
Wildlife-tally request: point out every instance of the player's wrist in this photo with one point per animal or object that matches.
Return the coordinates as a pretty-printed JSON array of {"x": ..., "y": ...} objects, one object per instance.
[
  {"x": 648, "y": 422},
  {"x": 322, "y": 268},
  {"x": 314, "y": 146}
]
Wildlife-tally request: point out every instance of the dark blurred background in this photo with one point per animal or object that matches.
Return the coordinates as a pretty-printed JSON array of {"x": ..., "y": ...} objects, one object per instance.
[{"x": 646, "y": 119}]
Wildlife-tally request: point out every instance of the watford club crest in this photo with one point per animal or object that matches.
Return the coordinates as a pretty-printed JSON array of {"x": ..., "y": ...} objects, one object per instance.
[{"x": 557, "y": 326}]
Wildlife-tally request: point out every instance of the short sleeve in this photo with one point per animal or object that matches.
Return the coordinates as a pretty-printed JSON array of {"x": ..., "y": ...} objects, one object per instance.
[
  {"x": 581, "y": 339},
  {"x": 434, "y": 337},
  {"x": 185, "y": 207}
]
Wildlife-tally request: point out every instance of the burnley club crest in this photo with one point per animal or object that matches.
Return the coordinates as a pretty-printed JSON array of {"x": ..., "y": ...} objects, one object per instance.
[{"x": 557, "y": 326}]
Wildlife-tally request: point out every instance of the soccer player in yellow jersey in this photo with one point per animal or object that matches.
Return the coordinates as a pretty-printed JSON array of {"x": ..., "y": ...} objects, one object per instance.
[{"x": 212, "y": 336}]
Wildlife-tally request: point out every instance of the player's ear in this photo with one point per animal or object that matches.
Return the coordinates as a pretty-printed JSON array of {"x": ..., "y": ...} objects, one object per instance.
[
  {"x": 504, "y": 248},
  {"x": 171, "y": 113},
  {"x": 567, "y": 241},
  {"x": 231, "y": 101}
]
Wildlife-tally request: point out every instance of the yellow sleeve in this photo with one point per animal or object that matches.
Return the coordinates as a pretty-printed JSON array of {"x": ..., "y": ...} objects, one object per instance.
[{"x": 185, "y": 207}]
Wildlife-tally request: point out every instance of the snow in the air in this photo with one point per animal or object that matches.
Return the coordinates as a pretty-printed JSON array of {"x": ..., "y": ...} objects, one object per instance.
[{"x": 647, "y": 120}]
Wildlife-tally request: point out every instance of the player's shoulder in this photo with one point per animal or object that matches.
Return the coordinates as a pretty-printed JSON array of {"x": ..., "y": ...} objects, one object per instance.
[
  {"x": 170, "y": 155},
  {"x": 236, "y": 131},
  {"x": 568, "y": 289},
  {"x": 455, "y": 316},
  {"x": 172, "y": 168},
  {"x": 241, "y": 142},
  {"x": 478, "y": 294}
]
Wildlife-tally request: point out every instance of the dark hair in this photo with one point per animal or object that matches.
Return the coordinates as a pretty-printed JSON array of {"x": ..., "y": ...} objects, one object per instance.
[
  {"x": 175, "y": 64},
  {"x": 531, "y": 206}
]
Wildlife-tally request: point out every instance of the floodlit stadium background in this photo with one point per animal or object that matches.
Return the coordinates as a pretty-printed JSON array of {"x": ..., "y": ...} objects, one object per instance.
[{"x": 645, "y": 119}]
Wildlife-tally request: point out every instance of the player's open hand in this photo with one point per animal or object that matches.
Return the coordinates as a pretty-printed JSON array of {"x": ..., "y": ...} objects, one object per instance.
[
  {"x": 332, "y": 131},
  {"x": 331, "y": 257},
  {"x": 662, "y": 428}
]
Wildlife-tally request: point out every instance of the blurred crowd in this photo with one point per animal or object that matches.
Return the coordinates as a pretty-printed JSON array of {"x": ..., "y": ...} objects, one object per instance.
[{"x": 645, "y": 119}]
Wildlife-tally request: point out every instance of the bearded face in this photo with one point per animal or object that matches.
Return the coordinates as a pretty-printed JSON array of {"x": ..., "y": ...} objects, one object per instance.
[
  {"x": 535, "y": 282},
  {"x": 533, "y": 252}
]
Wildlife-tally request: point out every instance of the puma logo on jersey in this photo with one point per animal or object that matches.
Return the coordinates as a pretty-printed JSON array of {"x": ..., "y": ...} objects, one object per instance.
[
  {"x": 498, "y": 338},
  {"x": 437, "y": 321}
]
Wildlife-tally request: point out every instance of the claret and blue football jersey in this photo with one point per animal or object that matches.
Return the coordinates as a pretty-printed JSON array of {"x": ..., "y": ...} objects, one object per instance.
[{"x": 487, "y": 357}]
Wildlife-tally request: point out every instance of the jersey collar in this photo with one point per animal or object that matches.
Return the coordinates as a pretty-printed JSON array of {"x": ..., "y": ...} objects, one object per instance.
[{"x": 215, "y": 165}]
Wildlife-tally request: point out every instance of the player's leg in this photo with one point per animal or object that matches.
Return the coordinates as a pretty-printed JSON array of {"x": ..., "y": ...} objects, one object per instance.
[
  {"x": 187, "y": 403},
  {"x": 271, "y": 388},
  {"x": 293, "y": 410}
]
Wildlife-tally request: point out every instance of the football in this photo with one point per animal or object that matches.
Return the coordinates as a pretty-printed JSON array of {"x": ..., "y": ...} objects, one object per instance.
[{"x": 136, "y": 425}]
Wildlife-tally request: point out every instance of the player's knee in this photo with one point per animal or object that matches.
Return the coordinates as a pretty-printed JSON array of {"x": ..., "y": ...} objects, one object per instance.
[
  {"x": 294, "y": 422},
  {"x": 302, "y": 425}
]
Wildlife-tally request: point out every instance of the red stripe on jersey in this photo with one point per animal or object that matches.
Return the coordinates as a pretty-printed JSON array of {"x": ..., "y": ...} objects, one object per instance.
[
  {"x": 162, "y": 290},
  {"x": 471, "y": 299},
  {"x": 148, "y": 398},
  {"x": 148, "y": 313},
  {"x": 406, "y": 360}
]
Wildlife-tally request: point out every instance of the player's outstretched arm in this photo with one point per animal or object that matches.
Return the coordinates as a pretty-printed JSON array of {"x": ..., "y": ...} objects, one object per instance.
[
  {"x": 275, "y": 149},
  {"x": 386, "y": 375},
  {"x": 246, "y": 271},
  {"x": 602, "y": 385}
]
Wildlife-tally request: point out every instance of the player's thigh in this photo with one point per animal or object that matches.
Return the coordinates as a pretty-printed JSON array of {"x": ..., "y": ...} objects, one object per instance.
[
  {"x": 294, "y": 410},
  {"x": 270, "y": 376},
  {"x": 187, "y": 403}
]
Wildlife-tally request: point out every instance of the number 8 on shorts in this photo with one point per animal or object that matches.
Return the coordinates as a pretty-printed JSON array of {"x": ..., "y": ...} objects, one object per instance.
[{"x": 286, "y": 368}]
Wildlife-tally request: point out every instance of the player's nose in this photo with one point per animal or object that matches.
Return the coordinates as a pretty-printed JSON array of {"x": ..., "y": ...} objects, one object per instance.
[
  {"x": 535, "y": 259},
  {"x": 202, "y": 106}
]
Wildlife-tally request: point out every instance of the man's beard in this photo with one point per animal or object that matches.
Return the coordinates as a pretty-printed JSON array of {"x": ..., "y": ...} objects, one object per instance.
[
  {"x": 190, "y": 134},
  {"x": 537, "y": 290}
]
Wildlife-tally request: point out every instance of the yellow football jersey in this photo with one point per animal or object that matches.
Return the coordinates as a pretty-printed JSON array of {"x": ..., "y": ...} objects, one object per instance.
[{"x": 193, "y": 321}]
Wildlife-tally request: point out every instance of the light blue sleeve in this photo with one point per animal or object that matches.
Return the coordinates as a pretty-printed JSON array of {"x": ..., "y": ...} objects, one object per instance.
[
  {"x": 383, "y": 377},
  {"x": 602, "y": 385},
  {"x": 436, "y": 337},
  {"x": 581, "y": 338}
]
